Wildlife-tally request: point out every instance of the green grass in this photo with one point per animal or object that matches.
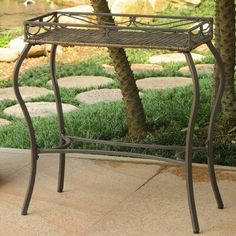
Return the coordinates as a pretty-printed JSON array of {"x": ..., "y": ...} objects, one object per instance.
[
  {"x": 4, "y": 40},
  {"x": 206, "y": 8},
  {"x": 8, "y": 35},
  {"x": 167, "y": 112}
]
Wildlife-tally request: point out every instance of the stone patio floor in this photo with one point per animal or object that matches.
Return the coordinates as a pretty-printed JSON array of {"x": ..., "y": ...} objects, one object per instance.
[{"x": 107, "y": 197}]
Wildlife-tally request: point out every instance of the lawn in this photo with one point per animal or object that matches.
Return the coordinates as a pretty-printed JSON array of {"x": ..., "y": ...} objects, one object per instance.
[{"x": 166, "y": 111}]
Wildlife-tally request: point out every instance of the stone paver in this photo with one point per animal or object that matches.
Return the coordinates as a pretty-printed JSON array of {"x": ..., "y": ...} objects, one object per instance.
[
  {"x": 100, "y": 95},
  {"x": 18, "y": 44},
  {"x": 163, "y": 82},
  {"x": 135, "y": 67},
  {"x": 92, "y": 189},
  {"x": 201, "y": 68},
  {"x": 132, "y": 7},
  {"x": 202, "y": 48},
  {"x": 71, "y": 20},
  {"x": 4, "y": 122},
  {"x": 173, "y": 57},
  {"x": 12, "y": 161},
  {"x": 111, "y": 198},
  {"x": 26, "y": 92},
  {"x": 83, "y": 81},
  {"x": 160, "y": 208},
  {"x": 41, "y": 109},
  {"x": 8, "y": 54}
]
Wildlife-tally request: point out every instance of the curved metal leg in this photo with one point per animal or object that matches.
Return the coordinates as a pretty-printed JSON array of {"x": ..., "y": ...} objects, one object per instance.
[
  {"x": 60, "y": 117},
  {"x": 34, "y": 151},
  {"x": 210, "y": 137},
  {"x": 189, "y": 143}
]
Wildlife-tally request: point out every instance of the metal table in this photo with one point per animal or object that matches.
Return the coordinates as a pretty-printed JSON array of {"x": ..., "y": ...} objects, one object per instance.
[{"x": 181, "y": 34}]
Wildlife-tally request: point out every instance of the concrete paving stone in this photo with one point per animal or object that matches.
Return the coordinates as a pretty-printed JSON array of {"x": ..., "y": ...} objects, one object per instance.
[
  {"x": 27, "y": 92},
  {"x": 135, "y": 68},
  {"x": 8, "y": 54},
  {"x": 71, "y": 20},
  {"x": 12, "y": 223},
  {"x": 92, "y": 190},
  {"x": 202, "y": 48},
  {"x": 111, "y": 198},
  {"x": 173, "y": 57},
  {"x": 100, "y": 95},
  {"x": 70, "y": 4},
  {"x": 4, "y": 122},
  {"x": 140, "y": 171},
  {"x": 163, "y": 82},
  {"x": 201, "y": 68},
  {"x": 132, "y": 7},
  {"x": 97, "y": 187},
  {"x": 38, "y": 109},
  {"x": 83, "y": 81},
  {"x": 201, "y": 174},
  {"x": 18, "y": 44},
  {"x": 12, "y": 162},
  {"x": 160, "y": 208}
]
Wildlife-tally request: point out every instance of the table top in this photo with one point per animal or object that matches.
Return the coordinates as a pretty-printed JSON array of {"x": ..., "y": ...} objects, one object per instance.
[{"x": 119, "y": 30}]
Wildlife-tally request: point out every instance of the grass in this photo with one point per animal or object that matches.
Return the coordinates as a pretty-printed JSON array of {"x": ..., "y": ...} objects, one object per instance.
[
  {"x": 8, "y": 35},
  {"x": 167, "y": 112},
  {"x": 205, "y": 8},
  {"x": 4, "y": 39}
]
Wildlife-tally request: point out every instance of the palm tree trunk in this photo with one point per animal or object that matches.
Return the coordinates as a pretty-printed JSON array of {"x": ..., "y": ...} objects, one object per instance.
[
  {"x": 134, "y": 108},
  {"x": 225, "y": 40}
]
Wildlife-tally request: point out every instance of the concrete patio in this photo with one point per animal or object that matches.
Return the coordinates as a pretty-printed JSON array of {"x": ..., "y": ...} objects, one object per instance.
[{"x": 104, "y": 197}]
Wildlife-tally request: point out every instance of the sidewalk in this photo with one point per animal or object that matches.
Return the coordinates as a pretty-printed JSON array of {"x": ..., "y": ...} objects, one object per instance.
[{"x": 110, "y": 198}]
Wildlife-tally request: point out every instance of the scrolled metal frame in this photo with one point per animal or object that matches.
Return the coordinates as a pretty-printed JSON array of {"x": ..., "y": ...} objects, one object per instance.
[{"x": 49, "y": 22}]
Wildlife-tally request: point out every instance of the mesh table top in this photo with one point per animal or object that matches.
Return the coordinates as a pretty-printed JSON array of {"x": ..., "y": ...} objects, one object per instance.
[{"x": 163, "y": 32}]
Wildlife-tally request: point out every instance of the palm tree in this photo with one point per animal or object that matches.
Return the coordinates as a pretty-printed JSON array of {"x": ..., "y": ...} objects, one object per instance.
[
  {"x": 134, "y": 109},
  {"x": 225, "y": 44}
]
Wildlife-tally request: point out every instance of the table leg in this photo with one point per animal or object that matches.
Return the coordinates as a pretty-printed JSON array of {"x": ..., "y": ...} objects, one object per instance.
[
  {"x": 189, "y": 143},
  {"x": 34, "y": 151},
  {"x": 60, "y": 117},
  {"x": 212, "y": 122}
]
